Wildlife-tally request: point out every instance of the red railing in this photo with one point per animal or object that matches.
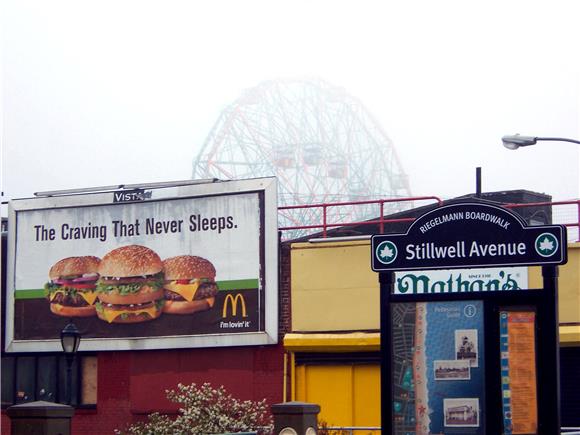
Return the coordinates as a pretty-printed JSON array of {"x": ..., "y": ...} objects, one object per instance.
[
  {"x": 381, "y": 220},
  {"x": 575, "y": 202}
]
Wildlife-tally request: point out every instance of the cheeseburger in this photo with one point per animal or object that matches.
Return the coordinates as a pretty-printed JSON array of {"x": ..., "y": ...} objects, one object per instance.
[
  {"x": 189, "y": 284},
  {"x": 71, "y": 289},
  {"x": 130, "y": 288}
]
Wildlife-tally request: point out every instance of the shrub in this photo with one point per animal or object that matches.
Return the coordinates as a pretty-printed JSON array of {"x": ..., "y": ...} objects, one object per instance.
[
  {"x": 206, "y": 410},
  {"x": 324, "y": 429}
]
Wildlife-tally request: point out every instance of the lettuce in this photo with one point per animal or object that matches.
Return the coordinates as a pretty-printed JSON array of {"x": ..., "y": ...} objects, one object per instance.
[{"x": 155, "y": 282}]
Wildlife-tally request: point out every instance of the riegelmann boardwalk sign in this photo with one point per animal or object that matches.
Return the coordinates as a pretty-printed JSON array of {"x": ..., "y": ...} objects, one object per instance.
[{"x": 469, "y": 235}]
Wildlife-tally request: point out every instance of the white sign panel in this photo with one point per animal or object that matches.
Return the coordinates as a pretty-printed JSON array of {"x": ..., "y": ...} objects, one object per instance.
[
  {"x": 183, "y": 267},
  {"x": 461, "y": 280}
]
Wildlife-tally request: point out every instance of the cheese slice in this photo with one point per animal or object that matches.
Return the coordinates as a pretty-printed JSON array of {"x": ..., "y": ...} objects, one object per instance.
[
  {"x": 187, "y": 291},
  {"x": 111, "y": 315},
  {"x": 89, "y": 297},
  {"x": 52, "y": 295}
]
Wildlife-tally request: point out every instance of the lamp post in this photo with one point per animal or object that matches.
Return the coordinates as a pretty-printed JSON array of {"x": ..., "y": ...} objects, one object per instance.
[
  {"x": 70, "y": 338},
  {"x": 514, "y": 141}
]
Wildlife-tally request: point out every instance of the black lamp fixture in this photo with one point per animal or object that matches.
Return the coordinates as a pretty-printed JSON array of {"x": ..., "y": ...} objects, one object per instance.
[
  {"x": 514, "y": 141},
  {"x": 70, "y": 339}
]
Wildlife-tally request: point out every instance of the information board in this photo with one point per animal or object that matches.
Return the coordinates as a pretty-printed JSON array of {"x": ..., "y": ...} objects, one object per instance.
[
  {"x": 438, "y": 368},
  {"x": 518, "y": 371},
  {"x": 449, "y": 364}
]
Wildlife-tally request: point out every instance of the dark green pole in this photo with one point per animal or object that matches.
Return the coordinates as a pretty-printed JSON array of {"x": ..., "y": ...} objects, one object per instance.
[{"x": 387, "y": 281}]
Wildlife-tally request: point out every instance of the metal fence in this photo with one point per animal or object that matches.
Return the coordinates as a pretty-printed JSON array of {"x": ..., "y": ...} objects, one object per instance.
[
  {"x": 565, "y": 213},
  {"x": 349, "y": 430},
  {"x": 340, "y": 214}
]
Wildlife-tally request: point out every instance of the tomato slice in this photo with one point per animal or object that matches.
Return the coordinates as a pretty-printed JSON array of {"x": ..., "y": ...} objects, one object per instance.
[
  {"x": 182, "y": 281},
  {"x": 81, "y": 286}
]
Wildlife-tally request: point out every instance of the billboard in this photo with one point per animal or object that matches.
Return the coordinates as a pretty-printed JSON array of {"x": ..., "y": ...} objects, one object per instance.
[{"x": 188, "y": 266}]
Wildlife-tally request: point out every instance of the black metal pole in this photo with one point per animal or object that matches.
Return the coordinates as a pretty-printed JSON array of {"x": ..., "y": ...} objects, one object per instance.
[
  {"x": 70, "y": 339},
  {"x": 387, "y": 281},
  {"x": 549, "y": 353},
  {"x": 69, "y": 362},
  {"x": 478, "y": 182}
]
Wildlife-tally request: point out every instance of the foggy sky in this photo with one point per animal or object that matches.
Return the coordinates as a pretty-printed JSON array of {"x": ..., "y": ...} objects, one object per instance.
[{"x": 112, "y": 92}]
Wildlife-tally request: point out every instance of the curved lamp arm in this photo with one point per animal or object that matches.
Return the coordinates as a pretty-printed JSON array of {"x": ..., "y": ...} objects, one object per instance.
[{"x": 513, "y": 142}]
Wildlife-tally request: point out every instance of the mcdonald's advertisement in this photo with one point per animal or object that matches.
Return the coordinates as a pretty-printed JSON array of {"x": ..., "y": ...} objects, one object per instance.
[{"x": 188, "y": 267}]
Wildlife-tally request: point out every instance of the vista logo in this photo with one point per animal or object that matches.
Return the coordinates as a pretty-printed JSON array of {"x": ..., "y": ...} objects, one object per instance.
[{"x": 131, "y": 195}]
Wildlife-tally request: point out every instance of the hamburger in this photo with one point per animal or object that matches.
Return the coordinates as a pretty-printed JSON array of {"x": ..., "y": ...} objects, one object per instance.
[
  {"x": 71, "y": 289},
  {"x": 189, "y": 284},
  {"x": 130, "y": 287}
]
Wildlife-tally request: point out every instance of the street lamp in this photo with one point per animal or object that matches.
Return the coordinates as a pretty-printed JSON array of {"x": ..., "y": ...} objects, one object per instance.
[
  {"x": 514, "y": 141},
  {"x": 70, "y": 338}
]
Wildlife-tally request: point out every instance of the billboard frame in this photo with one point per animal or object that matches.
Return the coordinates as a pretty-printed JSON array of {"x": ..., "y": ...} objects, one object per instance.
[{"x": 267, "y": 187}]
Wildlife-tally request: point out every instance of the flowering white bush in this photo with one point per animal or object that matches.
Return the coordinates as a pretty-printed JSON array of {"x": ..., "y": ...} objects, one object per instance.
[{"x": 206, "y": 410}]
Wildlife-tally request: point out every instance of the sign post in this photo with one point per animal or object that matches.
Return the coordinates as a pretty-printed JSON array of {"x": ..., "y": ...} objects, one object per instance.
[{"x": 452, "y": 354}]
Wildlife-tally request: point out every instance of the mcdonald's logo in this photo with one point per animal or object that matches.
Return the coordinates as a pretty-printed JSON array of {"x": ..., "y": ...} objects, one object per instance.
[{"x": 233, "y": 302}]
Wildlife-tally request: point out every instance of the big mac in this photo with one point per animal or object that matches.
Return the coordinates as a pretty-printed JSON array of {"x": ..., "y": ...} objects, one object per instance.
[
  {"x": 71, "y": 289},
  {"x": 130, "y": 288},
  {"x": 189, "y": 284}
]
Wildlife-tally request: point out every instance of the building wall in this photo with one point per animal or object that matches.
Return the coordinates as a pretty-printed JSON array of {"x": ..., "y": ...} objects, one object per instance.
[
  {"x": 132, "y": 384},
  {"x": 568, "y": 295},
  {"x": 335, "y": 309},
  {"x": 355, "y": 383},
  {"x": 334, "y": 289}
]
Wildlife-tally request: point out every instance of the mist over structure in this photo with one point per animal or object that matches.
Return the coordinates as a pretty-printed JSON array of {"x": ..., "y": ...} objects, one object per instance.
[{"x": 321, "y": 143}]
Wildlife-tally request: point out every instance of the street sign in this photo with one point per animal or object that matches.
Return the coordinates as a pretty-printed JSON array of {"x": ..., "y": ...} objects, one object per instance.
[
  {"x": 469, "y": 235},
  {"x": 440, "y": 337}
]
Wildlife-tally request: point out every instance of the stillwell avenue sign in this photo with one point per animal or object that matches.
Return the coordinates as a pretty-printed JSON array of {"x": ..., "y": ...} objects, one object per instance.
[{"x": 469, "y": 235}]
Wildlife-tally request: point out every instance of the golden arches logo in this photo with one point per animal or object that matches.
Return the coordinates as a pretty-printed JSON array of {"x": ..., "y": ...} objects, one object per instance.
[{"x": 233, "y": 302}]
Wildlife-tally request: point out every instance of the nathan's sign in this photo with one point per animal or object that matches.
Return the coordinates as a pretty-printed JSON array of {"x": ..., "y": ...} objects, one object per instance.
[
  {"x": 469, "y": 235},
  {"x": 461, "y": 280},
  {"x": 192, "y": 266}
]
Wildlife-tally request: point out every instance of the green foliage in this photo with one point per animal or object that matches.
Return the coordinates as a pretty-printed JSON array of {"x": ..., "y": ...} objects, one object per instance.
[{"x": 206, "y": 410}]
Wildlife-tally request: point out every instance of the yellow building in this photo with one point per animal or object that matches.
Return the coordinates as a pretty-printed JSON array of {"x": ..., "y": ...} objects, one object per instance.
[{"x": 334, "y": 343}]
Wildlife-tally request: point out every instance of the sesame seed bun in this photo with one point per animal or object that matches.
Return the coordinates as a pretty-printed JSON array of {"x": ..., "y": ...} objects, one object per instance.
[
  {"x": 66, "y": 311},
  {"x": 73, "y": 266},
  {"x": 132, "y": 260},
  {"x": 185, "y": 307},
  {"x": 188, "y": 267}
]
